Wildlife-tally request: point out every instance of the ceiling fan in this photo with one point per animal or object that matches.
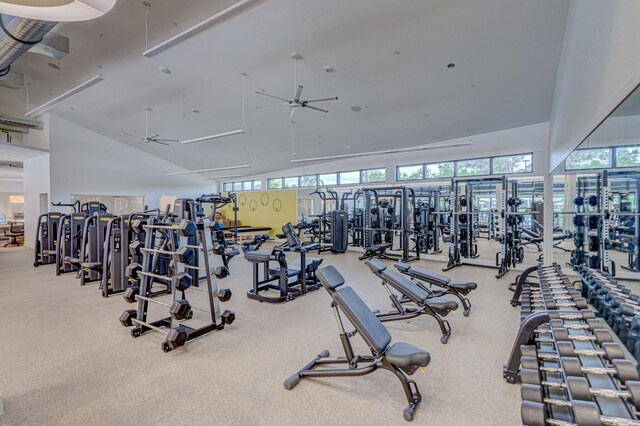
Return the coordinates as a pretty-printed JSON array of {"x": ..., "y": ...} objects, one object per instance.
[
  {"x": 146, "y": 138},
  {"x": 296, "y": 102}
]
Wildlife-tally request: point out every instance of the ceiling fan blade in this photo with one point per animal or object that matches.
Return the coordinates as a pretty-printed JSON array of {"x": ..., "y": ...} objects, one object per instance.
[
  {"x": 153, "y": 137},
  {"x": 271, "y": 96},
  {"x": 315, "y": 108},
  {"x": 320, "y": 100},
  {"x": 130, "y": 135},
  {"x": 293, "y": 111},
  {"x": 165, "y": 140},
  {"x": 159, "y": 143},
  {"x": 298, "y": 94},
  {"x": 273, "y": 105}
]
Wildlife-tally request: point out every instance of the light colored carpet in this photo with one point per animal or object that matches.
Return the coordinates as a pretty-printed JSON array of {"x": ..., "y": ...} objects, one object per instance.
[{"x": 65, "y": 359}]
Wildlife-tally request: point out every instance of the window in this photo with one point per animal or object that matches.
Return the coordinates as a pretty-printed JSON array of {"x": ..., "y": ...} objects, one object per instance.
[
  {"x": 328, "y": 179},
  {"x": 374, "y": 175},
  {"x": 237, "y": 186},
  {"x": 439, "y": 170},
  {"x": 582, "y": 159},
  {"x": 349, "y": 177},
  {"x": 309, "y": 180},
  {"x": 628, "y": 156},
  {"x": 291, "y": 182},
  {"x": 410, "y": 172},
  {"x": 246, "y": 185},
  {"x": 226, "y": 187},
  {"x": 257, "y": 184},
  {"x": 513, "y": 164},
  {"x": 274, "y": 183},
  {"x": 477, "y": 167}
]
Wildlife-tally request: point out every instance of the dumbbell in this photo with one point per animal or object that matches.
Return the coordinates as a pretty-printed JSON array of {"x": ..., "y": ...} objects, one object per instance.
[
  {"x": 135, "y": 248},
  {"x": 185, "y": 254},
  {"x": 565, "y": 349},
  {"x": 536, "y": 413},
  {"x": 599, "y": 336},
  {"x": 130, "y": 294},
  {"x": 624, "y": 369},
  {"x": 132, "y": 269}
]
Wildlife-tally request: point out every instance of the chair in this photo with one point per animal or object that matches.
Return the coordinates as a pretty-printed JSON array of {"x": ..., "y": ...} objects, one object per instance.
[{"x": 16, "y": 230}]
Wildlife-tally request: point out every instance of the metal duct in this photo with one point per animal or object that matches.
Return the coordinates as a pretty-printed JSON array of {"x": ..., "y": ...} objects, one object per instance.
[
  {"x": 17, "y": 35},
  {"x": 21, "y": 122}
]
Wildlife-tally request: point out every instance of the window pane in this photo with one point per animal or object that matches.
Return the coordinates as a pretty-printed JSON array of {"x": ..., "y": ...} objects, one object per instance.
[
  {"x": 513, "y": 164},
  {"x": 410, "y": 172},
  {"x": 628, "y": 156},
  {"x": 439, "y": 170},
  {"x": 597, "y": 158},
  {"x": 309, "y": 180},
  {"x": 476, "y": 167},
  {"x": 291, "y": 182},
  {"x": 226, "y": 187},
  {"x": 246, "y": 185},
  {"x": 257, "y": 184},
  {"x": 274, "y": 183},
  {"x": 328, "y": 179},
  {"x": 237, "y": 186},
  {"x": 349, "y": 177},
  {"x": 374, "y": 175}
]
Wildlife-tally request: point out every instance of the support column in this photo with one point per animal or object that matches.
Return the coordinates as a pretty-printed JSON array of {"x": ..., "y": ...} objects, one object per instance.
[{"x": 548, "y": 219}]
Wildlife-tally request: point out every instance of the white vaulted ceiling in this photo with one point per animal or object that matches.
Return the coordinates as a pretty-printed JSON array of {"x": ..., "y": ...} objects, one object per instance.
[{"x": 506, "y": 55}]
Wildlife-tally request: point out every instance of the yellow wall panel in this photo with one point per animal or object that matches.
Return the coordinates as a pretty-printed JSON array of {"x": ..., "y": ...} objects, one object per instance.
[{"x": 265, "y": 208}]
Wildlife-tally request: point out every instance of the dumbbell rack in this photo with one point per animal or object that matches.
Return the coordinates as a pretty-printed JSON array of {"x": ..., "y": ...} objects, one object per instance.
[
  {"x": 571, "y": 370},
  {"x": 177, "y": 332},
  {"x": 616, "y": 304}
]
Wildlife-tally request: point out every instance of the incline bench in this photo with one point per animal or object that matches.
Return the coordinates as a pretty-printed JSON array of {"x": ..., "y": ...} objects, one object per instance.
[
  {"x": 377, "y": 251},
  {"x": 401, "y": 359},
  {"x": 427, "y": 302},
  {"x": 458, "y": 288}
]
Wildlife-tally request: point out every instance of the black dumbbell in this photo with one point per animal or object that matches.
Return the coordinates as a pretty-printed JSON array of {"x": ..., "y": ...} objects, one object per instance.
[
  {"x": 130, "y": 294},
  {"x": 622, "y": 368},
  {"x": 177, "y": 337},
  {"x": 126, "y": 318},
  {"x": 228, "y": 317},
  {"x": 180, "y": 309},
  {"x": 132, "y": 270},
  {"x": 224, "y": 294}
]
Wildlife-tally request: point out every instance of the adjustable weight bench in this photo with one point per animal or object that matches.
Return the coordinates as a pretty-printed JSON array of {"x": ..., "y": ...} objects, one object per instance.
[
  {"x": 427, "y": 302},
  {"x": 378, "y": 251},
  {"x": 401, "y": 359},
  {"x": 458, "y": 288}
]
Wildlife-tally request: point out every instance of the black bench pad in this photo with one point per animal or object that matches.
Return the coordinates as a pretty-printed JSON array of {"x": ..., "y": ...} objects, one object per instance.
[{"x": 404, "y": 355}]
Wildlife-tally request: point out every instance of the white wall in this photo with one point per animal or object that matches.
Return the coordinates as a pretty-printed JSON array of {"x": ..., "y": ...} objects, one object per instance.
[
  {"x": 8, "y": 209},
  {"x": 519, "y": 140},
  {"x": 599, "y": 67},
  {"x": 15, "y": 186},
  {"x": 87, "y": 163},
  {"x": 36, "y": 181}
]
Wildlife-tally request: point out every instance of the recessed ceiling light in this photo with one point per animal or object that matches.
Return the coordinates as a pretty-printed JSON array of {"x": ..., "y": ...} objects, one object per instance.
[
  {"x": 195, "y": 110},
  {"x": 451, "y": 65},
  {"x": 396, "y": 52},
  {"x": 468, "y": 131},
  {"x": 54, "y": 66},
  {"x": 329, "y": 69},
  {"x": 356, "y": 108},
  {"x": 348, "y": 146},
  {"x": 164, "y": 69}
]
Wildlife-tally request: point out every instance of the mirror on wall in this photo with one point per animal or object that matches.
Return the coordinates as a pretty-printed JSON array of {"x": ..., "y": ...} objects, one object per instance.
[{"x": 596, "y": 220}]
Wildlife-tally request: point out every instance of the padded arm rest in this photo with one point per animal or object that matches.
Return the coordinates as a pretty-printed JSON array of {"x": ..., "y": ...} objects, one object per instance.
[
  {"x": 431, "y": 277},
  {"x": 258, "y": 256},
  {"x": 402, "y": 267}
]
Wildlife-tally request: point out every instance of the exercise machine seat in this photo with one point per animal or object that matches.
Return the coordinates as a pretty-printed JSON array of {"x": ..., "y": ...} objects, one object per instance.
[
  {"x": 405, "y": 356},
  {"x": 442, "y": 305},
  {"x": 72, "y": 260},
  {"x": 49, "y": 252},
  {"x": 94, "y": 266},
  {"x": 258, "y": 256},
  {"x": 378, "y": 247},
  {"x": 230, "y": 252},
  {"x": 463, "y": 286}
]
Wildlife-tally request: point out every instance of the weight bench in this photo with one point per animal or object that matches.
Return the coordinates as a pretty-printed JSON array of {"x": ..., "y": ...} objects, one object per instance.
[
  {"x": 458, "y": 288},
  {"x": 428, "y": 303},
  {"x": 378, "y": 251},
  {"x": 400, "y": 358}
]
